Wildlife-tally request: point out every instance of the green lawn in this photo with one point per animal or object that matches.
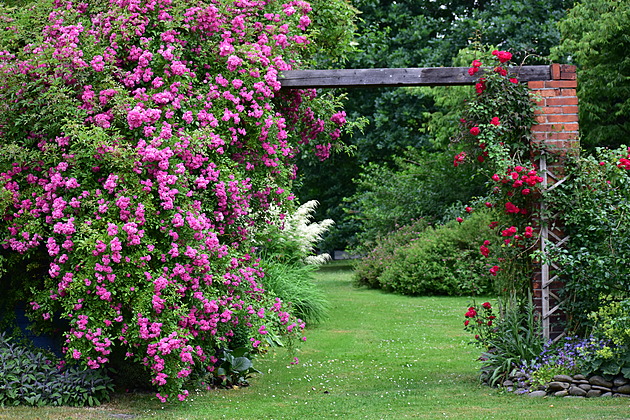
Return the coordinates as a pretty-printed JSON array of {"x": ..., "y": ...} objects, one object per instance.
[{"x": 378, "y": 356}]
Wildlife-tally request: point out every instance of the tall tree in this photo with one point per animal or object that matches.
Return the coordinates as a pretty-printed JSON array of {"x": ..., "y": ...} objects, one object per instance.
[{"x": 596, "y": 36}]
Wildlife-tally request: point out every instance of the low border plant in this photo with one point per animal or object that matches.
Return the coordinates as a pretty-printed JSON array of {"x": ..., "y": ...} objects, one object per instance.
[{"x": 30, "y": 376}]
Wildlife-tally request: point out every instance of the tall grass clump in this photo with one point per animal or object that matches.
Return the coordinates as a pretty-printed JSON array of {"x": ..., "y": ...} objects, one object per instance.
[
  {"x": 289, "y": 260},
  {"x": 295, "y": 284},
  {"x": 517, "y": 340}
]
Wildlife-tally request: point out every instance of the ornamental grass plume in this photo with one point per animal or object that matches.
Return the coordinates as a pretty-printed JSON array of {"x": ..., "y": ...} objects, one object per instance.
[{"x": 300, "y": 228}]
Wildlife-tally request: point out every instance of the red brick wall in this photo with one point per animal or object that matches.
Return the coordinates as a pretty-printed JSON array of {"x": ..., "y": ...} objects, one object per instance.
[{"x": 558, "y": 124}]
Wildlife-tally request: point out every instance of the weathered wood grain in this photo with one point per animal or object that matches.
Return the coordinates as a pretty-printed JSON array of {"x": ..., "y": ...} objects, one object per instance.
[{"x": 432, "y": 76}]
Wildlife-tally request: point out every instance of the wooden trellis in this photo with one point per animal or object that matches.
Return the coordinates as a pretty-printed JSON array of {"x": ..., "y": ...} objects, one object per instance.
[
  {"x": 557, "y": 129},
  {"x": 550, "y": 236}
]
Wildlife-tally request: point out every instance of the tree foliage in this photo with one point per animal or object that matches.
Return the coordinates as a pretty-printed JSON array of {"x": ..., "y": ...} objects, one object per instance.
[
  {"x": 422, "y": 34},
  {"x": 596, "y": 36}
]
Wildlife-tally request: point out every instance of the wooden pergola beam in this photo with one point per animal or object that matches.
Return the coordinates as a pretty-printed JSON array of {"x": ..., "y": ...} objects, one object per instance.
[{"x": 432, "y": 76}]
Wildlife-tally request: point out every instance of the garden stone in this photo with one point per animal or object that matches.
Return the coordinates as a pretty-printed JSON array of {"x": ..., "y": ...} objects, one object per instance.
[
  {"x": 581, "y": 381},
  {"x": 607, "y": 394},
  {"x": 508, "y": 383},
  {"x": 562, "y": 393},
  {"x": 557, "y": 386},
  {"x": 579, "y": 377},
  {"x": 623, "y": 389},
  {"x": 535, "y": 394},
  {"x": 593, "y": 393},
  {"x": 585, "y": 387},
  {"x": 563, "y": 378},
  {"x": 601, "y": 388},
  {"x": 620, "y": 381},
  {"x": 600, "y": 381},
  {"x": 577, "y": 392},
  {"x": 621, "y": 395}
]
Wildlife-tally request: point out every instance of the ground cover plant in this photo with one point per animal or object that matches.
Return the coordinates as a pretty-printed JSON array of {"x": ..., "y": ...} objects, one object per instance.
[
  {"x": 413, "y": 363},
  {"x": 143, "y": 144},
  {"x": 30, "y": 376}
]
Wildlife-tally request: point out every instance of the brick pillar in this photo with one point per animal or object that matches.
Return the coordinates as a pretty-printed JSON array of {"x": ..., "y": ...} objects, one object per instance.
[
  {"x": 558, "y": 132},
  {"x": 558, "y": 126}
]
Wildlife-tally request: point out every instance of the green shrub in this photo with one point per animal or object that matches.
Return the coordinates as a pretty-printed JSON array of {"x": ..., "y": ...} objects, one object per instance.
[
  {"x": 419, "y": 185},
  {"x": 31, "y": 377},
  {"x": 612, "y": 327},
  {"x": 595, "y": 206},
  {"x": 444, "y": 260},
  {"x": 369, "y": 268}
]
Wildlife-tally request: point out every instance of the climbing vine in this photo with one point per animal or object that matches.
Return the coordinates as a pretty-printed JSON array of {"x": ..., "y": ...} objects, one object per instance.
[{"x": 495, "y": 135}]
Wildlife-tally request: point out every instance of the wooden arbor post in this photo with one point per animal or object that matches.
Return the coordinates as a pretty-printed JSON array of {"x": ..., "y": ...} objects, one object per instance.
[{"x": 557, "y": 129}]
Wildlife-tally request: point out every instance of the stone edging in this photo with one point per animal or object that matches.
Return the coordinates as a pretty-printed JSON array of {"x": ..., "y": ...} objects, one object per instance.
[{"x": 570, "y": 386}]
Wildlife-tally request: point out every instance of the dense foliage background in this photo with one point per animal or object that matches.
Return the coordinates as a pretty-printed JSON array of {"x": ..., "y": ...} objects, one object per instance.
[{"x": 420, "y": 34}]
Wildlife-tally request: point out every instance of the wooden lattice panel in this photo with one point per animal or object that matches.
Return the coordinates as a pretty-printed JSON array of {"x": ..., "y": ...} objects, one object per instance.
[{"x": 551, "y": 236}]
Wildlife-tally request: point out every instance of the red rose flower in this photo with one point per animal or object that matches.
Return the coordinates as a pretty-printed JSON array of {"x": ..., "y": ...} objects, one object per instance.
[
  {"x": 486, "y": 305},
  {"x": 475, "y": 131},
  {"x": 484, "y": 250},
  {"x": 511, "y": 208},
  {"x": 459, "y": 158},
  {"x": 459, "y": 219},
  {"x": 476, "y": 63},
  {"x": 495, "y": 121},
  {"x": 504, "y": 56}
]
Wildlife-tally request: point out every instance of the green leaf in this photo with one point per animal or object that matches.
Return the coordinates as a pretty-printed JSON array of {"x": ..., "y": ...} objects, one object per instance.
[{"x": 241, "y": 364}]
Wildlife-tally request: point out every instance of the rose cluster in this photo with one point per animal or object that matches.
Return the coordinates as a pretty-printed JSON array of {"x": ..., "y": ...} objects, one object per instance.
[
  {"x": 480, "y": 321},
  {"x": 493, "y": 138}
]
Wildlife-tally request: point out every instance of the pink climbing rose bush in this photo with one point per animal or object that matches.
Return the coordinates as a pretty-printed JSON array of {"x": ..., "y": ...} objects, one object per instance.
[{"x": 143, "y": 144}]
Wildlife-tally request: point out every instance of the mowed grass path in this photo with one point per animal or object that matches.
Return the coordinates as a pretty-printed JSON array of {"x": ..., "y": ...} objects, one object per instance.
[{"x": 379, "y": 356}]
